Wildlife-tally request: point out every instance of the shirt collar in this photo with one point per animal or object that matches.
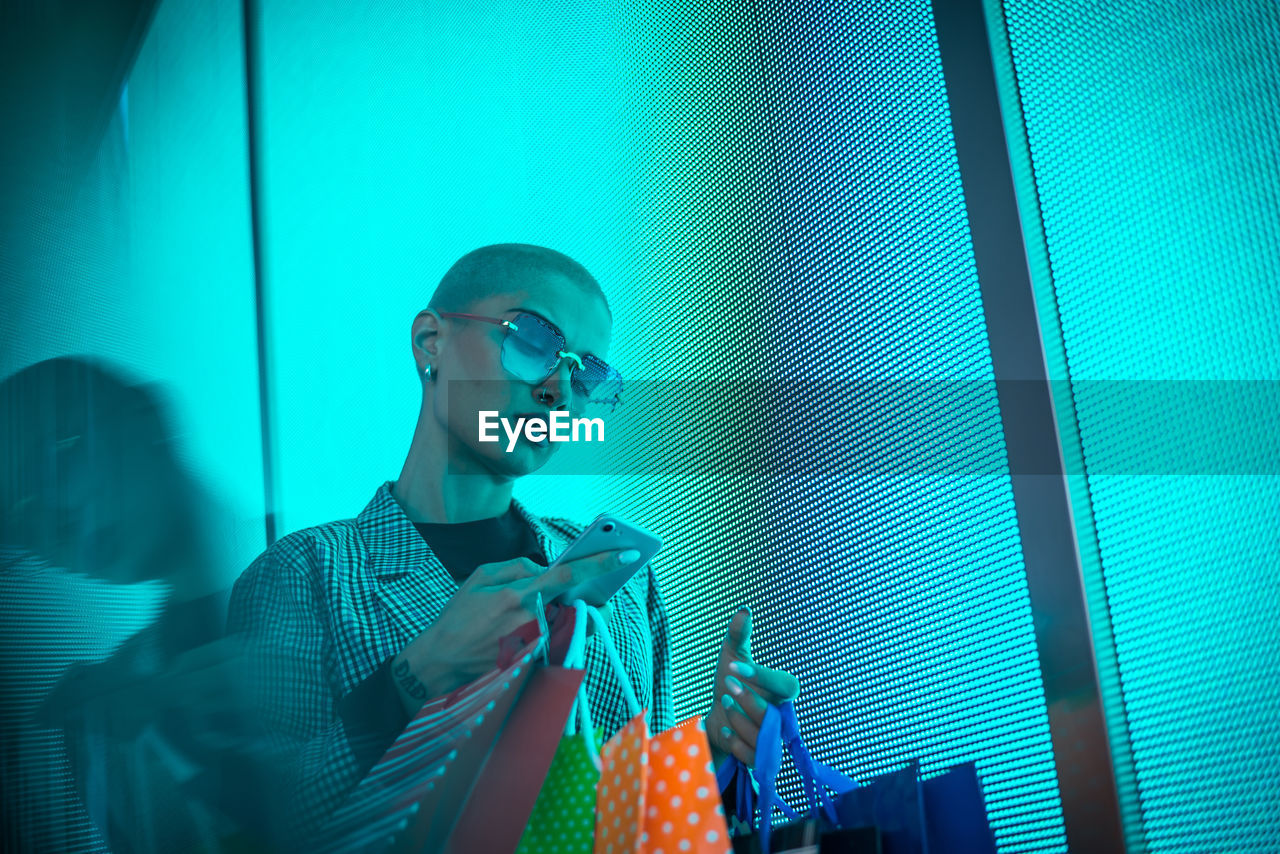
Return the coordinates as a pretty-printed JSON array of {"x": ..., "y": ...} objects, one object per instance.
[{"x": 395, "y": 546}]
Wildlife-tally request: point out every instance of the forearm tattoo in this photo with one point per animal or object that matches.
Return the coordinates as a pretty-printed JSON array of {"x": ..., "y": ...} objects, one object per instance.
[{"x": 408, "y": 682}]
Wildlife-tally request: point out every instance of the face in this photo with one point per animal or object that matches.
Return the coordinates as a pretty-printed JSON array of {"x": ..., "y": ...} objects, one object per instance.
[{"x": 469, "y": 376}]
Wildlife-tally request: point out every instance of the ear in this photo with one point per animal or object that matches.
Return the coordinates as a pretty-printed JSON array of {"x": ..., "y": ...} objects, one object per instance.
[{"x": 426, "y": 337}]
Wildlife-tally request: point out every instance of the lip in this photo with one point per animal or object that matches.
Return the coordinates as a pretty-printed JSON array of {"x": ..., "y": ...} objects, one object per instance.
[{"x": 544, "y": 442}]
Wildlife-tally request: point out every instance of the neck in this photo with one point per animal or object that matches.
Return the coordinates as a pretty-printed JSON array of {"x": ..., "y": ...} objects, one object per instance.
[{"x": 428, "y": 492}]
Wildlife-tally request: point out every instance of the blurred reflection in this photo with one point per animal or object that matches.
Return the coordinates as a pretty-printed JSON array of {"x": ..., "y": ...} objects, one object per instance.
[{"x": 121, "y": 725}]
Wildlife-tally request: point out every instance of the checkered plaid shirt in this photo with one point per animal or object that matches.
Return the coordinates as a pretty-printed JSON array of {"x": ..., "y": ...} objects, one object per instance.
[{"x": 330, "y": 604}]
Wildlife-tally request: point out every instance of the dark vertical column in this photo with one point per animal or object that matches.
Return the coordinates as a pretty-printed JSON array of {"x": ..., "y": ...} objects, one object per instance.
[
  {"x": 252, "y": 89},
  {"x": 1086, "y": 779}
]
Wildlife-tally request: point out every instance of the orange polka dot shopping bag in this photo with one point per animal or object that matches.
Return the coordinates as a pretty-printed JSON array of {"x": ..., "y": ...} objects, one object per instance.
[{"x": 657, "y": 795}]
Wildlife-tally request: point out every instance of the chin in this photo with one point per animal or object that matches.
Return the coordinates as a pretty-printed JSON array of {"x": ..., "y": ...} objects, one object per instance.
[{"x": 524, "y": 460}]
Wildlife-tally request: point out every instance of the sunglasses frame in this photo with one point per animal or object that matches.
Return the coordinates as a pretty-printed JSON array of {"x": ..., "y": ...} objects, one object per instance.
[{"x": 561, "y": 353}]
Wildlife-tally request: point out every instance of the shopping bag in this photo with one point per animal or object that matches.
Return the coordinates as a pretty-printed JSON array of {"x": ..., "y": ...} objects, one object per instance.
[
  {"x": 955, "y": 813},
  {"x": 779, "y": 729},
  {"x": 478, "y": 738},
  {"x": 622, "y": 792},
  {"x": 413, "y": 779},
  {"x": 895, "y": 813},
  {"x": 504, "y": 784},
  {"x": 894, "y": 805},
  {"x": 496, "y": 812},
  {"x": 659, "y": 793},
  {"x": 683, "y": 804},
  {"x": 656, "y": 793},
  {"x": 806, "y": 836},
  {"x": 563, "y": 818},
  {"x": 942, "y": 815},
  {"x": 812, "y": 836}
]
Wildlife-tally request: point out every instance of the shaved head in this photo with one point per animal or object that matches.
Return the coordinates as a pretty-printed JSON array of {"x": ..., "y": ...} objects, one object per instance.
[
  {"x": 504, "y": 268},
  {"x": 469, "y": 366}
]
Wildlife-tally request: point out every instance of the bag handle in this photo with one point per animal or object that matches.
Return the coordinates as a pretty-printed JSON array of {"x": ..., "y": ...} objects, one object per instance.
[
  {"x": 737, "y": 772},
  {"x": 778, "y": 729},
  {"x": 576, "y": 658},
  {"x": 620, "y": 672}
]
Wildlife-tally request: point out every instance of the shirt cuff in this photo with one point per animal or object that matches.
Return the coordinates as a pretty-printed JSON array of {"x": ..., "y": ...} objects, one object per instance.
[{"x": 373, "y": 716}]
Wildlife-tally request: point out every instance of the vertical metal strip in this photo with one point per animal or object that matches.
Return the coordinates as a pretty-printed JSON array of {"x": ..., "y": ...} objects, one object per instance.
[
  {"x": 252, "y": 88},
  {"x": 1084, "y": 523},
  {"x": 1055, "y": 585}
]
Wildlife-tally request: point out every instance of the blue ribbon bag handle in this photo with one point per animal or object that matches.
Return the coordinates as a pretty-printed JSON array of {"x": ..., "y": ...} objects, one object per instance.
[
  {"x": 745, "y": 804},
  {"x": 779, "y": 728}
]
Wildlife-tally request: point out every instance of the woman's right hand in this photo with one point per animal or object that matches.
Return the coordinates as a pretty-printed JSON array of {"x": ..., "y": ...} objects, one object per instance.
[{"x": 462, "y": 644}]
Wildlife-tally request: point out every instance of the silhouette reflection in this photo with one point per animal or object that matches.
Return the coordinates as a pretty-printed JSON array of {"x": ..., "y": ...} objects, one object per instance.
[{"x": 123, "y": 719}]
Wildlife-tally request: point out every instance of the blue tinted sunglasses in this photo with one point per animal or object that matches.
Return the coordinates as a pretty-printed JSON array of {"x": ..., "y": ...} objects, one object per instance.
[{"x": 533, "y": 349}]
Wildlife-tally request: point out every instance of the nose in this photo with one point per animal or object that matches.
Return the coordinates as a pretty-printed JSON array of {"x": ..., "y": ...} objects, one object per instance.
[{"x": 556, "y": 391}]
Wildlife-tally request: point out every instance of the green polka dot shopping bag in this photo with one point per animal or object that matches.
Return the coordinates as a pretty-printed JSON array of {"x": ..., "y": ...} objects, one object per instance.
[{"x": 563, "y": 819}]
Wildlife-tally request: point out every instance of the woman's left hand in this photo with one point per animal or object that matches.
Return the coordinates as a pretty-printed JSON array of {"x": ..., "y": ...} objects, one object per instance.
[{"x": 742, "y": 692}]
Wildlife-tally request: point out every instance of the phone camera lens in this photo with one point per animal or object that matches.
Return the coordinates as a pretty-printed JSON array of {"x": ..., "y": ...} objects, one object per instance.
[{"x": 608, "y": 526}]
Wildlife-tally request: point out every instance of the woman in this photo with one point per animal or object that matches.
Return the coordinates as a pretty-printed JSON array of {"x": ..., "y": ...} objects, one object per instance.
[{"x": 407, "y": 601}]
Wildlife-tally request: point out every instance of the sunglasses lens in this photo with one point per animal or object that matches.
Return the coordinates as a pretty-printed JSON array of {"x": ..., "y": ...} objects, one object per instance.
[
  {"x": 597, "y": 382},
  {"x": 530, "y": 351}
]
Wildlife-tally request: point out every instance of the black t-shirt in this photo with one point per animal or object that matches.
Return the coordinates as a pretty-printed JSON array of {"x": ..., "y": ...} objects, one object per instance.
[
  {"x": 462, "y": 546},
  {"x": 372, "y": 712}
]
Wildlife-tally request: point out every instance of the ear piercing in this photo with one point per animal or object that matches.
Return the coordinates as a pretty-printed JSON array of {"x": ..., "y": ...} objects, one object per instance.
[{"x": 427, "y": 373}]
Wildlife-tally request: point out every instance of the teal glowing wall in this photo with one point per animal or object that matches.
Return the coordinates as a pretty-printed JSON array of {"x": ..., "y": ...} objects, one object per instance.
[
  {"x": 771, "y": 200},
  {"x": 140, "y": 253},
  {"x": 772, "y": 203},
  {"x": 1146, "y": 142}
]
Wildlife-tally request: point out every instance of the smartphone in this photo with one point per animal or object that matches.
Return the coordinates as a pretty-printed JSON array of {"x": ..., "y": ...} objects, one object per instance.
[{"x": 608, "y": 533}]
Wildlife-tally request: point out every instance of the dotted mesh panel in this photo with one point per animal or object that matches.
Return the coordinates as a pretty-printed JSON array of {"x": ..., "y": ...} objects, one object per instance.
[
  {"x": 687, "y": 82},
  {"x": 50, "y": 619},
  {"x": 898, "y": 599},
  {"x": 1153, "y": 135},
  {"x": 803, "y": 191},
  {"x": 771, "y": 202}
]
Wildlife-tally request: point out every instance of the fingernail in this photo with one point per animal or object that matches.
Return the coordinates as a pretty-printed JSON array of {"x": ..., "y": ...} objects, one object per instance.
[
  {"x": 746, "y": 671},
  {"x": 725, "y": 732},
  {"x": 735, "y": 687},
  {"x": 726, "y": 701},
  {"x": 629, "y": 556}
]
